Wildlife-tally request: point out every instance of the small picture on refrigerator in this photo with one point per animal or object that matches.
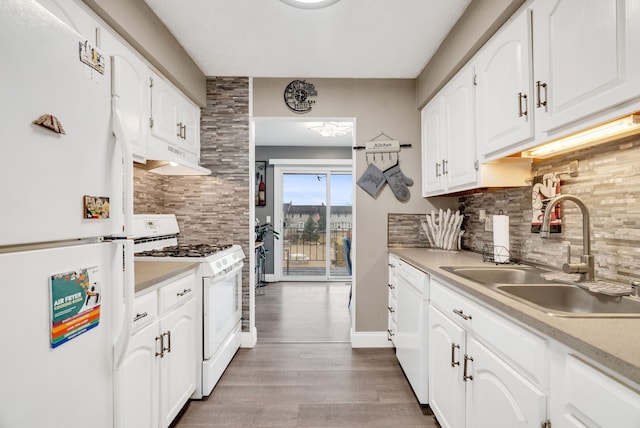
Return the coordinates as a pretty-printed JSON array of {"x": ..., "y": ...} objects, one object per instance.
[{"x": 96, "y": 207}]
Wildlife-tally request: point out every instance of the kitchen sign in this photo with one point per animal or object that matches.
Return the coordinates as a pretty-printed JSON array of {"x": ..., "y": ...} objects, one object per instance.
[{"x": 75, "y": 304}]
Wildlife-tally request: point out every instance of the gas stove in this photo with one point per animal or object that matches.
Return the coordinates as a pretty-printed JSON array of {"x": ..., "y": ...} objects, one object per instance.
[{"x": 185, "y": 250}]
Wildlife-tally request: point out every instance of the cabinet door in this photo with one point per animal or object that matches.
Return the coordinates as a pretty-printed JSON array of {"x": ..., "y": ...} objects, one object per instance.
[
  {"x": 164, "y": 111},
  {"x": 446, "y": 350},
  {"x": 130, "y": 89},
  {"x": 459, "y": 165},
  {"x": 586, "y": 52},
  {"x": 504, "y": 84},
  {"x": 498, "y": 396},
  {"x": 189, "y": 119},
  {"x": 432, "y": 137},
  {"x": 178, "y": 367},
  {"x": 588, "y": 397},
  {"x": 136, "y": 382}
]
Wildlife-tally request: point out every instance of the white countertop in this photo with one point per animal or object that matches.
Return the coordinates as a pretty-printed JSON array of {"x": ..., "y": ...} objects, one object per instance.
[{"x": 612, "y": 342}]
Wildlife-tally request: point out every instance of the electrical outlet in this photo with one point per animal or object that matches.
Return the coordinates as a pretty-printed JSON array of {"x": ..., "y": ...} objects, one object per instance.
[
  {"x": 488, "y": 224},
  {"x": 268, "y": 219}
]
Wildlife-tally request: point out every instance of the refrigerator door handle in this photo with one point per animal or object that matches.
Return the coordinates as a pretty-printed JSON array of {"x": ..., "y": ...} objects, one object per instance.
[
  {"x": 127, "y": 155},
  {"x": 128, "y": 283}
]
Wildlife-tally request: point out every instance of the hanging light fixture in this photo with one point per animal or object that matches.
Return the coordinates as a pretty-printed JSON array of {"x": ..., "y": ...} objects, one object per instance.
[
  {"x": 332, "y": 129},
  {"x": 310, "y": 4},
  {"x": 619, "y": 128}
]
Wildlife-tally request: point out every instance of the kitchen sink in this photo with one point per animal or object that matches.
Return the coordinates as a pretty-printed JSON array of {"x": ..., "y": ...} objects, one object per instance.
[
  {"x": 571, "y": 301},
  {"x": 508, "y": 274}
]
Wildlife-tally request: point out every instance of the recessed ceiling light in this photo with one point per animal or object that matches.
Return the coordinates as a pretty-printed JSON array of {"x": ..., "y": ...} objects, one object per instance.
[{"x": 310, "y": 4}]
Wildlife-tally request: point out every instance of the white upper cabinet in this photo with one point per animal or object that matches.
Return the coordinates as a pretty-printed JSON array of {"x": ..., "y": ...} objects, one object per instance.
[
  {"x": 174, "y": 121},
  {"x": 130, "y": 90},
  {"x": 448, "y": 137},
  {"x": 586, "y": 58},
  {"x": 504, "y": 87}
]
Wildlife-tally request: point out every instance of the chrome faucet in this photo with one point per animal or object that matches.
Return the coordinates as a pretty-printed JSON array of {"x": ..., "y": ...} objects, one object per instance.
[{"x": 587, "y": 265}]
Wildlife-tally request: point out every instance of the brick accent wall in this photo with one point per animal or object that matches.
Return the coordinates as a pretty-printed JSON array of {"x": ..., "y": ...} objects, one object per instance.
[{"x": 212, "y": 208}]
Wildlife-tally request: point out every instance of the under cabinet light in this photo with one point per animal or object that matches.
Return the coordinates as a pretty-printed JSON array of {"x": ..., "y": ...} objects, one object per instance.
[
  {"x": 619, "y": 128},
  {"x": 310, "y": 4}
]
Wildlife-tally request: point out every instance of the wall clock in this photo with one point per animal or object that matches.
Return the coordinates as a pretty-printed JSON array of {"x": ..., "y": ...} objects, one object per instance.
[{"x": 296, "y": 96}]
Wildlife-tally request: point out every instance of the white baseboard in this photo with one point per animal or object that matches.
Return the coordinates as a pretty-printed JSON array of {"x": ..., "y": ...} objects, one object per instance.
[
  {"x": 269, "y": 277},
  {"x": 370, "y": 339},
  {"x": 248, "y": 339}
]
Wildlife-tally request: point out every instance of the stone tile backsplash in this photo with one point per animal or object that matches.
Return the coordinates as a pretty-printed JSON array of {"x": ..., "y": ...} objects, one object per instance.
[
  {"x": 213, "y": 208},
  {"x": 608, "y": 182}
]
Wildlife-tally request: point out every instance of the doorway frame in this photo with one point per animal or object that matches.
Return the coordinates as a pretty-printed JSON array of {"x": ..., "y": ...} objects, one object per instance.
[{"x": 303, "y": 166}]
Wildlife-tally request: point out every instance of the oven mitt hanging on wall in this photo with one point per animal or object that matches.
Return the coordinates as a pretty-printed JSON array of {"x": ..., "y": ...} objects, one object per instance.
[
  {"x": 398, "y": 182},
  {"x": 372, "y": 180}
]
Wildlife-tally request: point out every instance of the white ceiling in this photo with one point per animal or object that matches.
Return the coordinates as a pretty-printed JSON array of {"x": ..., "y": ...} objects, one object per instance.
[
  {"x": 268, "y": 38},
  {"x": 351, "y": 39},
  {"x": 282, "y": 131}
]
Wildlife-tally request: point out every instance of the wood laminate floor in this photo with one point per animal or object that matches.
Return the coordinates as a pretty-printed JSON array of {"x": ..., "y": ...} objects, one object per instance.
[{"x": 291, "y": 379}]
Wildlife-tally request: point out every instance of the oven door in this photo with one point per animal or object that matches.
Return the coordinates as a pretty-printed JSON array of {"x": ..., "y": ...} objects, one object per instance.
[{"x": 222, "y": 308}]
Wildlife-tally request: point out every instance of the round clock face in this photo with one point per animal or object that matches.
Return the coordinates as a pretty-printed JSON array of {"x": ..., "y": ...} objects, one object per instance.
[{"x": 296, "y": 96}]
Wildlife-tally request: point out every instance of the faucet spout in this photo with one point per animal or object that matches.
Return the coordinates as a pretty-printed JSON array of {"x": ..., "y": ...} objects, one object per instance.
[{"x": 587, "y": 267}]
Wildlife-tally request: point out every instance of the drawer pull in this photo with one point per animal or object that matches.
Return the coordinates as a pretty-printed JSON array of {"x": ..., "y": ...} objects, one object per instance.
[
  {"x": 453, "y": 355},
  {"x": 466, "y": 377},
  {"x": 391, "y": 309},
  {"x": 462, "y": 314},
  {"x": 391, "y": 286},
  {"x": 183, "y": 292},
  {"x": 140, "y": 316},
  {"x": 391, "y": 265}
]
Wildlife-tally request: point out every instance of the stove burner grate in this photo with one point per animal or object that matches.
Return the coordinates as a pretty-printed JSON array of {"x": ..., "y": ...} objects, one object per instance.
[{"x": 186, "y": 250}]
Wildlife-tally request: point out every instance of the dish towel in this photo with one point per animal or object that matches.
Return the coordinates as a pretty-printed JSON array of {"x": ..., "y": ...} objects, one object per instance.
[
  {"x": 545, "y": 187},
  {"x": 372, "y": 181}
]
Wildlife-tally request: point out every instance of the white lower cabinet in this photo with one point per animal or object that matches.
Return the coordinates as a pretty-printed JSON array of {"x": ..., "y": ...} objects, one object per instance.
[
  {"x": 471, "y": 383},
  {"x": 158, "y": 373},
  {"x": 392, "y": 304},
  {"x": 585, "y": 396}
]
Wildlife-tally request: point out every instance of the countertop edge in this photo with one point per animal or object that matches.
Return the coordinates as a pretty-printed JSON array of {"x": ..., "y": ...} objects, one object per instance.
[
  {"x": 150, "y": 273},
  {"x": 580, "y": 334}
]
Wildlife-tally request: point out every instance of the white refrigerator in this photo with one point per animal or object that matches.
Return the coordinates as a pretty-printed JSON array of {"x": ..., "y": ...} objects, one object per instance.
[{"x": 65, "y": 185}]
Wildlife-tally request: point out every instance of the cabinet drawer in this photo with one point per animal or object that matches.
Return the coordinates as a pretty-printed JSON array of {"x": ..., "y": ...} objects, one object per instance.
[
  {"x": 523, "y": 349},
  {"x": 176, "y": 292},
  {"x": 145, "y": 310}
]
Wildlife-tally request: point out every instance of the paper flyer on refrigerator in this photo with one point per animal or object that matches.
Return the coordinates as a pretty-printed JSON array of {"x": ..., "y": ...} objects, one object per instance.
[{"x": 75, "y": 304}]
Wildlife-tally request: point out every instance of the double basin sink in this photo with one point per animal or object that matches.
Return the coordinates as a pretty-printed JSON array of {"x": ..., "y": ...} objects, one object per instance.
[{"x": 525, "y": 284}]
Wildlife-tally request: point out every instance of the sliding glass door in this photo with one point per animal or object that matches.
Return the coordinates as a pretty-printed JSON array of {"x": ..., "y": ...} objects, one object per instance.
[{"x": 316, "y": 216}]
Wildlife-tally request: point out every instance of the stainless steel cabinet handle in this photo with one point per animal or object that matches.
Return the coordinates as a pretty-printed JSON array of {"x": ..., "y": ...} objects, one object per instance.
[
  {"x": 168, "y": 348},
  {"x": 437, "y": 169},
  {"x": 453, "y": 355},
  {"x": 466, "y": 377},
  {"x": 391, "y": 309},
  {"x": 179, "y": 134},
  {"x": 183, "y": 292},
  {"x": 462, "y": 314},
  {"x": 539, "y": 102},
  {"x": 183, "y": 131},
  {"x": 391, "y": 286},
  {"x": 391, "y": 265},
  {"x": 521, "y": 97},
  {"x": 140, "y": 316},
  {"x": 444, "y": 167},
  {"x": 161, "y": 339},
  {"x": 389, "y": 334}
]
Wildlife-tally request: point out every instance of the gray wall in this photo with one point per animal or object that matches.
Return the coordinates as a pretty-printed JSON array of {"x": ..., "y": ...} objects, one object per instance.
[
  {"x": 377, "y": 105},
  {"x": 264, "y": 153}
]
